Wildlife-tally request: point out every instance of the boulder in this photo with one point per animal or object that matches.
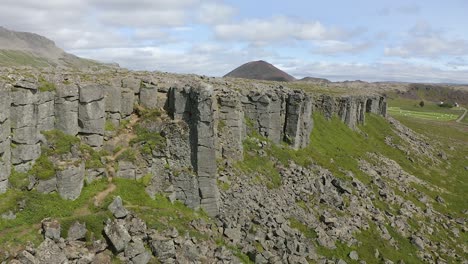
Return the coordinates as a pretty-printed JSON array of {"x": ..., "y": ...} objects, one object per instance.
[
  {"x": 117, "y": 208},
  {"x": 77, "y": 231},
  {"x": 51, "y": 229},
  {"x": 117, "y": 235},
  {"x": 70, "y": 180}
]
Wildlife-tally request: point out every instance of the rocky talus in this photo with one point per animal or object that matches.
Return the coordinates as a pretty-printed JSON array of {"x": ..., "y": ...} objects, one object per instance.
[{"x": 126, "y": 239}]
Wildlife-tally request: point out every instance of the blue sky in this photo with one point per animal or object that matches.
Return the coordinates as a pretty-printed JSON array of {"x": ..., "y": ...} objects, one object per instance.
[{"x": 424, "y": 41}]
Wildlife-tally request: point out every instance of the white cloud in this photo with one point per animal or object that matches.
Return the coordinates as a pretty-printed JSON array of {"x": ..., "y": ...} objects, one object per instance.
[
  {"x": 333, "y": 47},
  {"x": 381, "y": 71},
  {"x": 215, "y": 13},
  {"x": 408, "y": 9},
  {"x": 263, "y": 31},
  {"x": 424, "y": 41}
]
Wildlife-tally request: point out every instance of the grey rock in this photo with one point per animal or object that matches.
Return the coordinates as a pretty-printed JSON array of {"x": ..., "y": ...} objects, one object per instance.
[
  {"x": 51, "y": 229},
  {"x": 127, "y": 102},
  {"x": 117, "y": 235},
  {"x": 117, "y": 208},
  {"x": 417, "y": 241},
  {"x": 8, "y": 215},
  {"x": 70, "y": 180},
  {"x": 353, "y": 255},
  {"x": 90, "y": 93},
  {"x": 134, "y": 248},
  {"x": 49, "y": 252},
  {"x": 47, "y": 186},
  {"x": 24, "y": 153},
  {"x": 149, "y": 96},
  {"x": 163, "y": 249},
  {"x": 112, "y": 98},
  {"x": 234, "y": 234},
  {"x": 77, "y": 231},
  {"x": 440, "y": 200},
  {"x": 142, "y": 258},
  {"x": 127, "y": 170},
  {"x": 298, "y": 120},
  {"x": 25, "y": 257}
]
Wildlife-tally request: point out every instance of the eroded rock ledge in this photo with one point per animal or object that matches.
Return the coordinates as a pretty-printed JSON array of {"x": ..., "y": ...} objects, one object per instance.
[{"x": 210, "y": 120}]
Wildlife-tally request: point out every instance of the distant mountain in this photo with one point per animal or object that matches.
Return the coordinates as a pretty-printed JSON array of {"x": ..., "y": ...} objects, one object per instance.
[
  {"x": 260, "y": 70},
  {"x": 314, "y": 80},
  {"x": 29, "y": 49}
]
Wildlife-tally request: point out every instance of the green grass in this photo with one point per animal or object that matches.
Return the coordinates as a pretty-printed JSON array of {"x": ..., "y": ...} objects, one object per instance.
[
  {"x": 46, "y": 86},
  {"x": 370, "y": 240},
  {"x": 39, "y": 206},
  {"x": 9, "y": 58},
  {"x": 304, "y": 229},
  {"x": 261, "y": 166},
  {"x": 396, "y": 111},
  {"x": 59, "y": 143},
  {"x": 109, "y": 126},
  {"x": 147, "y": 140}
]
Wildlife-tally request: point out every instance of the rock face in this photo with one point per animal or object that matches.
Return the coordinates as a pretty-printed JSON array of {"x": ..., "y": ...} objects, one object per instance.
[
  {"x": 91, "y": 114},
  {"x": 210, "y": 121},
  {"x": 5, "y": 151},
  {"x": 70, "y": 180}
]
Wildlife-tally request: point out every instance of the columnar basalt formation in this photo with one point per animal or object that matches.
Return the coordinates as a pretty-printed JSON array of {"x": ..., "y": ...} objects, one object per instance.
[
  {"x": 91, "y": 115},
  {"x": 5, "y": 130},
  {"x": 298, "y": 120},
  {"x": 24, "y": 124},
  {"x": 210, "y": 121},
  {"x": 66, "y": 108},
  {"x": 230, "y": 125},
  {"x": 194, "y": 105}
]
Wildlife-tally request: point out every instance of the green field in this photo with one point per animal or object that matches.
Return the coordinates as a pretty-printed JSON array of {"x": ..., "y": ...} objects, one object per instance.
[{"x": 397, "y": 111}]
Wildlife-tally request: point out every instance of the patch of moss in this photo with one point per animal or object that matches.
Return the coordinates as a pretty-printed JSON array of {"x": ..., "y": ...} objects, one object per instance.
[
  {"x": 59, "y": 143},
  {"x": 109, "y": 126},
  {"x": 127, "y": 155},
  {"x": 46, "y": 86},
  {"x": 148, "y": 140},
  {"x": 18, "y": 180},
  {"x": 304, "y": 229},
  {"x": 43, "y": 168}
]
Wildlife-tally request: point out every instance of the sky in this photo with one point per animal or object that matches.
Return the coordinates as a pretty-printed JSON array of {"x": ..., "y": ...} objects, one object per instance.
[{"x": 410, "y": 41}]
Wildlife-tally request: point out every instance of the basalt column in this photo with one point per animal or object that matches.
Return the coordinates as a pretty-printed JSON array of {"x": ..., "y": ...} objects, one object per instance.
[
  {"x": 66, "y": 109},
  {"x": 298, "y": 120},
  {"x": 91, "y": 115},
  {"x": 5, "y": 155},
  {"x": 24, "y": 125},
  {"x": 230, "y": 125},
  {"x": 202, "y": 139}
]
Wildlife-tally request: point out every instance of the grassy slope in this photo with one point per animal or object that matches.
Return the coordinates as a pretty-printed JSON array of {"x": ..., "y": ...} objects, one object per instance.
[
  {"x": 337, "y": 148},
  {"x": 9, "y": 58}
]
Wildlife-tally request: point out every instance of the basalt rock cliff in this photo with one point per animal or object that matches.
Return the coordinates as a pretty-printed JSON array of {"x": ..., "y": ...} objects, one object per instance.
[{"x": 208, "y": 119}]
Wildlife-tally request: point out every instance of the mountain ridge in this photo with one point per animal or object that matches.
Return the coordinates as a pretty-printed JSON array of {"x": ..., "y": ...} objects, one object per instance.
[{"x": 31, "y": 49}]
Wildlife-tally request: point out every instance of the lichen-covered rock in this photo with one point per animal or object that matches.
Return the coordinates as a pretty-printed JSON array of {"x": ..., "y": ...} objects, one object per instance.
[
  {"x": 51, "y": 229},
  {"x": 77, "y": 231},
  {"x": 117, "y": 235}
]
